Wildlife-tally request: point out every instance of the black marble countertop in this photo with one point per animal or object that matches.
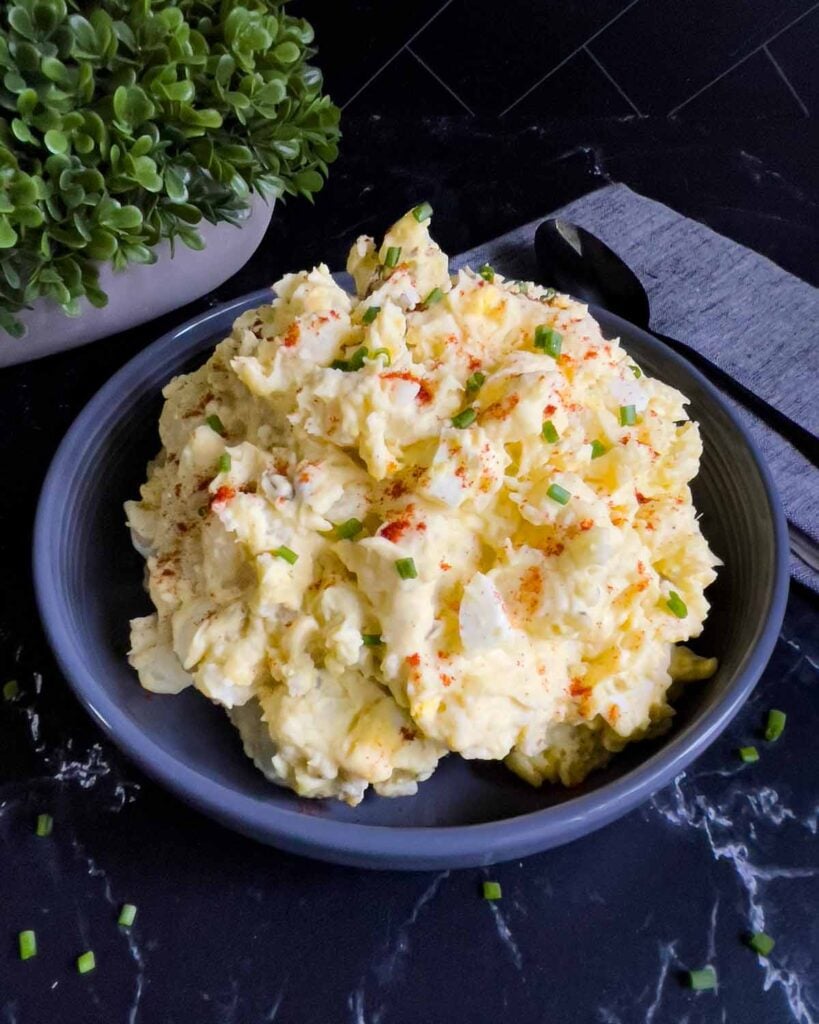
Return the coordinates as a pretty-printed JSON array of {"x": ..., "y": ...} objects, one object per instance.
[{"x": 231, "y": 932}]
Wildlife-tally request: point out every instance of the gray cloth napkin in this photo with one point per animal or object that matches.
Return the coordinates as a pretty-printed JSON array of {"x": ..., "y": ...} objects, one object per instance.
[{"x": 738, "y": 308}]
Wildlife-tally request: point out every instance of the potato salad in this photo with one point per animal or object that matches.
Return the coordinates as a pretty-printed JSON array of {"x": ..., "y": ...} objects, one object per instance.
[{"x": 441, "y": 515}]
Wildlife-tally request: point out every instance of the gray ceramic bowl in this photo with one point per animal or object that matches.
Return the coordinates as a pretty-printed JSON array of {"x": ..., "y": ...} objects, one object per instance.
[{"x": 89, "y": 584}]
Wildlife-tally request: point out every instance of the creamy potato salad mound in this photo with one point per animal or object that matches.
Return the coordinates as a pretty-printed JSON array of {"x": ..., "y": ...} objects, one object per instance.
[{"x": 444, "y": 514}]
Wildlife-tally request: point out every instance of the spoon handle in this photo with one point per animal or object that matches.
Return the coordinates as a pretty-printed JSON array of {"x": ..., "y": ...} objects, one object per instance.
[{"x": 801, "y": 439}]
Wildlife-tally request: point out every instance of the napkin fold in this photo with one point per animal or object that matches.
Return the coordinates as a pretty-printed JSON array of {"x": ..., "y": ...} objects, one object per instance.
[{"x": 746, "y": 314}]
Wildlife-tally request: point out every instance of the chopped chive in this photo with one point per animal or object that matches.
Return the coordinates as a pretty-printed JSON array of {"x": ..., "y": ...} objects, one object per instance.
[
  {"x": 636, "y": 371},
  {"x": 385, "y": 352},
  {"x": 393, "y": 256},
  {"x": 11, "y": 689},
  {"x": 224, "y": 462},
  {"x": 749, "y": 755},
  {"x": 349, "y": 529},
  {"x": 86, "y": 962},
  {"x": 761, "y": 943},
  {"x": 422, "y": 212},
  {"x": 598, "y": 449},
  {"x": 676, "y": 605},
  {"x": 127, "y": 915},
  {"x": 371, "y": 639},
  {"x": 549, "y": 432},
  {"x": 487, "y": 273},
  {"x": 465, "y": 418},
  {"x": 216, "y": 424},
  {"x": 357, "y": 359},
  {"x": 548, "y": 294},
  {"x": 703, "y": 980},
  {"x": 28, "y": 944},
  {"x": 370, "y": 314},
  {"x": 558, "y": 494},
  {"x": 492, "y": 891},
  {"x": 628, "y": 415},
  {"x": 434, "y": 296},
  {"x": 776, "y": 725},
  {"x": 475, "y": 381},
  {"x": 549, "y": 340},
  {"x": 340, "y": 364},
  {"x": 405, "y": 567},
  {"x": 287, "y": 554},
  {"x": 45, "y": 823}
]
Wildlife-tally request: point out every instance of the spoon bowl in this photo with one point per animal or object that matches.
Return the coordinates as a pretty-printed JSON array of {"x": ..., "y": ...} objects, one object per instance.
[{"x": 572, "y": 260}]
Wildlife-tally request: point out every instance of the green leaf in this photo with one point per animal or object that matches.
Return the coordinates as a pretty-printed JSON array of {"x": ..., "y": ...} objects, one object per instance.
[
  {"x": 14, "y": 82},
  {"x": 26, "y": 102},
  {"x": 21, "y": 131},
  {"x": 85, "y": 83},
  {"x": 181, "y": 92},
  {"x": 308, "y": 181},
  {"x": 125, "y": 34},
  {"x": 83, "y": 144},
  {"x": 242, "y": 156},
  {"x": 102, "y": 246},
  {"x": 126, "y": 218},
  {"x": 287, "y": 53},
  {"x": 188, "y": 213},
  {"x": 192, "y": 239},
  {"x": 225, "y": 67},
  {"x": 23, "y": 190},
  {"x": 138, "y": 254},
  {"x": 29, "y": 216},
  {"x": 21, "y": 22},
  {"x": 47, "y": 15},
  {"x": 8, "y": 236},
  {"x": 132, "y": 105},
  {"x": 271, "y": 93},
  {"x": 238, "y": 100},
  {"x": 10, "y": 274},
  {"x": 56, "y": 141},
  {"x": 142, "y": 147},
  {"x": 10, "y": 324},
  {"x": 55, "y": 70},
  {"x": 175, "y": 186},
  {"x": 71, "y": 275},
  {"x": 69, "y": 236},
  {"x": 146, "y": 174},
  {"x": 26, "y": 58},
  {"x": 96, "y": 296},
  {"x": 85, "y": 38},
  {"x": 288, "y": 148},
  {"x": 81, "y": 227},
  {"x": 202, "y": 118}
]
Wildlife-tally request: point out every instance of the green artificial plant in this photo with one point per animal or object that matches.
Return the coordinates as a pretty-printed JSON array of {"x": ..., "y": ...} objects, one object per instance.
[{"x": 124, "y": 122}]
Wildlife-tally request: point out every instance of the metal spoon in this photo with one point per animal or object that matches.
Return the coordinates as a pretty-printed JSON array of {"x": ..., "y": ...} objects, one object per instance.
[{"x": 575, "y": 261}]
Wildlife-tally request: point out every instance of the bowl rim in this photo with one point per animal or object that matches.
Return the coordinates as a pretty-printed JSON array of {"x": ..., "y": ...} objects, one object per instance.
[{"x": 369, "y": 845}]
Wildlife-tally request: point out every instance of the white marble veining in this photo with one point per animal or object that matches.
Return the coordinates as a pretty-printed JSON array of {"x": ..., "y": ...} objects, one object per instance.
[
  {"x": 667, "y": 953},
  {"x": 94, "y": 870},
  {"x": 505, "y": 935},
  {"x": 724, "y": 823}
]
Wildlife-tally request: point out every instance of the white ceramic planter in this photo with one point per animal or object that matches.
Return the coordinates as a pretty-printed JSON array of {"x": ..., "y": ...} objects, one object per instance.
[{"x": 140, "y": 293}]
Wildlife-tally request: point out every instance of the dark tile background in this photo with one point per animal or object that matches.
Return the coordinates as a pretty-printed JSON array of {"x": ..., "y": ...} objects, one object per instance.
[{"x": 571, "y": 58}]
